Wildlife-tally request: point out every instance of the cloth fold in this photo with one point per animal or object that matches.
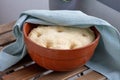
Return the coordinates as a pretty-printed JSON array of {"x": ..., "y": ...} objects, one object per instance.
[{"x": 107, "y": 54}]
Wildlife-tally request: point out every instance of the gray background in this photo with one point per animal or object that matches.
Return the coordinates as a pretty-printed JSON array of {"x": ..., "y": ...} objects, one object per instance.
[
  {"x": 92, "y": 7},
  {"x": 115, "y": 4},
  {"x": 11, "y": 9}
]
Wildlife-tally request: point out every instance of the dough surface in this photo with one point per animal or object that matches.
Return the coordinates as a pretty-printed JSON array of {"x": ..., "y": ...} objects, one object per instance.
[{"x": 60, "y": 37}]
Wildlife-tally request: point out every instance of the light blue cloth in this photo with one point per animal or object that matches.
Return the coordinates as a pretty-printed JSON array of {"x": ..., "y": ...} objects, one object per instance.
[{"x": 106, "y": 59}]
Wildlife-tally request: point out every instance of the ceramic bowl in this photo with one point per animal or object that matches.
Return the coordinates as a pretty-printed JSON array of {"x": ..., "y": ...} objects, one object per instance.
[{"x": 55, "y": 59}]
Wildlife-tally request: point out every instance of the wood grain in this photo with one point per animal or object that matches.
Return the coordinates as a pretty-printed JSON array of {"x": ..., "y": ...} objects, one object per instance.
[
  {"x": 92, "y": 76},
  {"x": 6, "y": 27},
  {"x": 63, "y": 75},
  {"x": 6, "y": 38},
  {"x": 25, "y": 74}
]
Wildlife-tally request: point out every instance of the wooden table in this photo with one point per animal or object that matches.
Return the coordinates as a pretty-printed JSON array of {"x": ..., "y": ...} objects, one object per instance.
[{"x": 26, "y": 69}]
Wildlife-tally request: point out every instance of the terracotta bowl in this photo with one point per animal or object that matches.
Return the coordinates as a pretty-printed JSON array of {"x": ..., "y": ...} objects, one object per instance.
[{"x": 59, "y": 60}]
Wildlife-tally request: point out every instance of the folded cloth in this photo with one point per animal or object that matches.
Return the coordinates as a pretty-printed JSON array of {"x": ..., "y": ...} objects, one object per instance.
[{"x": 107, "y": 54}]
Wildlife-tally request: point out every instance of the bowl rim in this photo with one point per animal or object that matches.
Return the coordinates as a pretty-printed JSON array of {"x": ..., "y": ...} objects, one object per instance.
[{"x": 96, "y": 32}]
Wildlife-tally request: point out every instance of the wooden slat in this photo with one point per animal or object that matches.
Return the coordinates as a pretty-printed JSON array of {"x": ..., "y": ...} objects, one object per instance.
[
  {"x": 26, "y": 60},
  {"x": 6, "y": 27},
  {"x": 92, "y": 76},
  {"x": 63, "y": 75},
  {"x": 6, "y": 38},
  {"x": 25, "y": 74}
]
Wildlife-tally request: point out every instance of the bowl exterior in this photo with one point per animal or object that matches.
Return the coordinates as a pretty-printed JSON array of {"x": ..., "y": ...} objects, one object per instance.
[{"x": 58, "y": 60}]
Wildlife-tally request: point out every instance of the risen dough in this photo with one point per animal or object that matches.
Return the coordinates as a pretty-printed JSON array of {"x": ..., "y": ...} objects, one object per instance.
[{"x": 59, "y": 37}]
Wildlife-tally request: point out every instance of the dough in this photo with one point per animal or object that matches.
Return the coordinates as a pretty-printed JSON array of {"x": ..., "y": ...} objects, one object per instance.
[{"x": 60, "y": 37}]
